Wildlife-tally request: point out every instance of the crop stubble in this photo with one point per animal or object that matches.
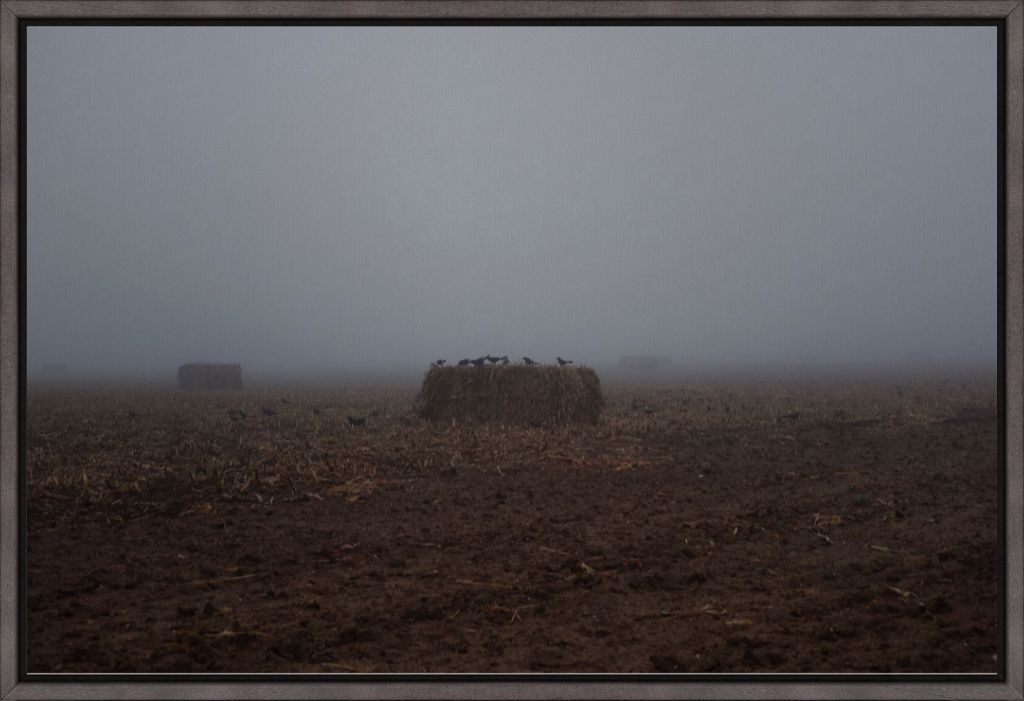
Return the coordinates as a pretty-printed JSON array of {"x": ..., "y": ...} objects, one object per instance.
[{"x": 696, "y": 527}]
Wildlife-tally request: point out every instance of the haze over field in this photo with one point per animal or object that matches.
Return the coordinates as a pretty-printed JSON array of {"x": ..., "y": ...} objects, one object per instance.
[{"x": 320, "y": 199}]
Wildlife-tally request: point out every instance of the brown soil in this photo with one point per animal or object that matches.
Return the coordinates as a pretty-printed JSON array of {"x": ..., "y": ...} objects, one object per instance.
[{"x": 700, "y": 529}]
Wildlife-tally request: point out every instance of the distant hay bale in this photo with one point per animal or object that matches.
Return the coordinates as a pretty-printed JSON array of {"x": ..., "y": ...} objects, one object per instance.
[
  {"x": 537, "y": 395},
  {"x": 197, "y": 376}
]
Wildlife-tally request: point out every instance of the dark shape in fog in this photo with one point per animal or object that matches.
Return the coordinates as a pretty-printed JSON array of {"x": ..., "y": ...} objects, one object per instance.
[
  {"x": 200, "y": 376},
  {"x": 529, "y": 361},
  {"x": 563, "y": 362}
]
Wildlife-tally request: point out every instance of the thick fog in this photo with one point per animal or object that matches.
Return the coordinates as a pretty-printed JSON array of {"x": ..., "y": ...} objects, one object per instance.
[{"x": 324, "y": 199}]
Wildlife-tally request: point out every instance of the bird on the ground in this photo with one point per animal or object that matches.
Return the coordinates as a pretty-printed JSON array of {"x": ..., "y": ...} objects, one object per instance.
[
  {"x": 357, "y": 420},
  {"x": 439, "y": 362},
  {"x": 563, "y": 362},
  {"x": 529, "y": 361},
  {"x": 464, "y": 362}
]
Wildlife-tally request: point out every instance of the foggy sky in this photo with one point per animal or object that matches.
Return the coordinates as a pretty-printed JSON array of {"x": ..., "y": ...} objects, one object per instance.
[{"x": 316, "y": 199}]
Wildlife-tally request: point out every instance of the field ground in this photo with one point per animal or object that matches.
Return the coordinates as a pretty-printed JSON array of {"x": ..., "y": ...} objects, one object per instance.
[{"x": 848, "y": 527}]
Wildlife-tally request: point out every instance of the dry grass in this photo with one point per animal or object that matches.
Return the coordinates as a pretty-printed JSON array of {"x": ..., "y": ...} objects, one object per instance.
[
  {"x": 126, "y": 454},
  {"x": 527, "y": 395},
  {"x": 723, "y": 404}
]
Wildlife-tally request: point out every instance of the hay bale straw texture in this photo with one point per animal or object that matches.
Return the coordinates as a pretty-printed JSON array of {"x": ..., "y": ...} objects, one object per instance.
[{"x": 533, "y": 395}]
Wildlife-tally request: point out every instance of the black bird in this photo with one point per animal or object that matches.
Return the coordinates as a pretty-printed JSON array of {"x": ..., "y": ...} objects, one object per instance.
[
  {"x": 464, "y": 362},
  {"x": 357, "y": 420},
  {"x": 479, "y": 361},
  {"x": 528, "y": 361},
  {"x": 439, "y": 362},
  {"x": 563, "y": 362}
]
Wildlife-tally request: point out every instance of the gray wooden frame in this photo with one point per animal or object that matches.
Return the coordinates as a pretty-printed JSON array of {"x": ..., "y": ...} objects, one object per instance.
[{"x": 1011, "y": 12}]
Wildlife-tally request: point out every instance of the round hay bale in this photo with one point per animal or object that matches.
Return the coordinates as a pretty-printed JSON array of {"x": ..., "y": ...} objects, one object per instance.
[{"x": 532, "y": 395}]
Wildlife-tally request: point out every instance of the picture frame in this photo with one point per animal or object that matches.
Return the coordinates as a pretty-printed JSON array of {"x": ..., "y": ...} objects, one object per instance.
[{"x": 16, "y": 15}]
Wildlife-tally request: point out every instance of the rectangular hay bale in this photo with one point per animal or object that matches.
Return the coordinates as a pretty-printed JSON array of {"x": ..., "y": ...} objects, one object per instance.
[
  {"x": 533, "y": 395},
  {"x": 210, "y": 376}
]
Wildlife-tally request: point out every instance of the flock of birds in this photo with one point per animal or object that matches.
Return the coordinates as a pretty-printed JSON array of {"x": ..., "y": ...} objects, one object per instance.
[{"x": 494, "y": 360}]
